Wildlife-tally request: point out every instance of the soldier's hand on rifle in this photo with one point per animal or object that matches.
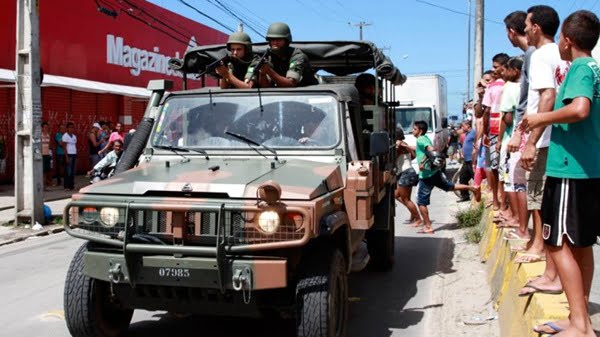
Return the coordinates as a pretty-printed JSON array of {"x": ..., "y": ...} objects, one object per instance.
[
  {"x": 222, "y": 71},
  {"x": 264, "y": 69}
]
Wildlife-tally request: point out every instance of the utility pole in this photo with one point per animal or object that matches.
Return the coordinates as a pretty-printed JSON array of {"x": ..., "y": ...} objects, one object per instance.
[
  {"x": 468, "y": 98},
  {"x": 29, "y": 203},
  {"x": 360, "y": 26},
  {"x": 479, "y": 17}
]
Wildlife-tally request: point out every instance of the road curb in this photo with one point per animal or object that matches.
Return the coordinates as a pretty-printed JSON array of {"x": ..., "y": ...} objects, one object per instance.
[
  {"x": 517, "y": 315},
  {"x": 31, "y": 233}
]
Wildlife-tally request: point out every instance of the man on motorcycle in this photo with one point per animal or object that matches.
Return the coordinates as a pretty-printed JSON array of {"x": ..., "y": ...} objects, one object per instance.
[{"x": 103, "y": 169}]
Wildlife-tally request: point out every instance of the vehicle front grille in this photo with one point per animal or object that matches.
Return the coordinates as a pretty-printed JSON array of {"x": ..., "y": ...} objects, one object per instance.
[{"x": 201, "y": 227}]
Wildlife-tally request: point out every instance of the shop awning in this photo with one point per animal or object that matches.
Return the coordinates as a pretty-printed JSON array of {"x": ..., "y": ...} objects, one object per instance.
[{"x": 7, "y": 75}]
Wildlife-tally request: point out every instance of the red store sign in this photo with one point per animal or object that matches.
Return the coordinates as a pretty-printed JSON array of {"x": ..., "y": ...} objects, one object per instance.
[{"x": 79, "y": 41}]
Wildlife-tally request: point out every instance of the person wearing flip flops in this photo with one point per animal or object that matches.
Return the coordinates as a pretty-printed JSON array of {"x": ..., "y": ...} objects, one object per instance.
[
  {"x": 546, "y": 73},
  {"x": 515, "y": 27},
  {"x": 570, "y": 206},
  {"x": 430, "y": 176}
]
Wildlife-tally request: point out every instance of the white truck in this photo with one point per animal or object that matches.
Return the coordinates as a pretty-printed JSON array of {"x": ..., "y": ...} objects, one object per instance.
[{"x": 421, "y": 98}]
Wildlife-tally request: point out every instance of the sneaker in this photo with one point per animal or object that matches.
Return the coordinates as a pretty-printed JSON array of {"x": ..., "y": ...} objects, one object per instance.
[{"x": 463, "y": 199}]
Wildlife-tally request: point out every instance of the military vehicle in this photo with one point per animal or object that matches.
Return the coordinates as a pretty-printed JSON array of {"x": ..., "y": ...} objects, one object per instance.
[{"x": 239, "y": 202}]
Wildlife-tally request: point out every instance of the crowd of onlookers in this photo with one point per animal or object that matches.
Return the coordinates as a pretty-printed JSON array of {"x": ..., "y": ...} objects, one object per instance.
[
  {"x": 105, "y": 140},
  {"x": 533, "y": 135}
]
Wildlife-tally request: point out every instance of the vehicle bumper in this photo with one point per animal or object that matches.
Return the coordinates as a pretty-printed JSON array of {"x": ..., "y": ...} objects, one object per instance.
[{"x": 193, "y": 272}]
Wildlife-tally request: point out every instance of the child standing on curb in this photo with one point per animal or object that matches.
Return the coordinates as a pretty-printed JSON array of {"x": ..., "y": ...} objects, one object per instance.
[{"x": 570, "y": 206}]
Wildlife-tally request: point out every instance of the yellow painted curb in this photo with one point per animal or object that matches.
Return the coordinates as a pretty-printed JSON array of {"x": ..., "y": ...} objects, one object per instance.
[{"x": 517, "y": 315}]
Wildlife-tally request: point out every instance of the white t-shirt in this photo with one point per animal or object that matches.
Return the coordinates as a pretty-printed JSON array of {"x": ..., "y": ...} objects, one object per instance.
[
  {"x": 546, "y": 71},
  {"x": 70, "y": 142}
]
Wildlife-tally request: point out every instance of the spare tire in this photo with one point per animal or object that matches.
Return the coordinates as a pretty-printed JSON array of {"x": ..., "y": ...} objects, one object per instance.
[{"x": 135, "y": 148}]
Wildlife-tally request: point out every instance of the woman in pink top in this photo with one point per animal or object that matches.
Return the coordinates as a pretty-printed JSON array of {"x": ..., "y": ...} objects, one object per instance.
[{"x": 113, "y": 136}]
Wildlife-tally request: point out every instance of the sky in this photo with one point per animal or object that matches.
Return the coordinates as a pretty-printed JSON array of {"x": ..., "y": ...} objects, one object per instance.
[{"x": 420, "y": 36}]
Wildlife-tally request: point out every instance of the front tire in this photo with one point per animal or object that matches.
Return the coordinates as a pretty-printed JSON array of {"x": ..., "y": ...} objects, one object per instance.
[
  {"x": 322, "y": 296},
  {"x": 89, "y": 309}
]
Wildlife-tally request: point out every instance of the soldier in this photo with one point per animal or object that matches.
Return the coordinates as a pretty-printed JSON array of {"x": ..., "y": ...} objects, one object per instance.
[
  {"x": 232, "y": 71},
  {"x": 286, "y": 66}
]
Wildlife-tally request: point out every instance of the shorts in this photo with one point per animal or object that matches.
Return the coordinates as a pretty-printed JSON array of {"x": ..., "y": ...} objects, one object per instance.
[
  {"x": 503, "y": 162},
  {"x": 515, "y": 179},
  {"x": 536, "y": 179},
  {"x": 408, "y": 178},
  {"x": 426, "y": 185},
  {"x": 570, "y": 210},
  {"x": 46, "y": 160},
  {"x": 493, "y": 158},
  {"x": 479, "y": 176}
]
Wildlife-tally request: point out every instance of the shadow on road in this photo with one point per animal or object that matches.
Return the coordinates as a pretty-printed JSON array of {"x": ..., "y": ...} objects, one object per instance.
[
  {"x": 378, "y": 300},
  {"x": 381, "y": 298}
]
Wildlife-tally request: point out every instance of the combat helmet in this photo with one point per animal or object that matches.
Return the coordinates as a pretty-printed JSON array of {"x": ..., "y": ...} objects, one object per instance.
[
  {"x": 241, "y": 38},
  {"x": 279, "y": 30}
]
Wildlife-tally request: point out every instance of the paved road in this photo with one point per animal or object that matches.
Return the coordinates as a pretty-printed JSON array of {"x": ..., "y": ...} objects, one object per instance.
[{"x": 396, "y": 303}]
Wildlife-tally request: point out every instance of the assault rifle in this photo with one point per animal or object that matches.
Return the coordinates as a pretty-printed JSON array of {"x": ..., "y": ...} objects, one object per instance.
[
  {"x": 261, "y": 61},
  {"x": 212, "y": 66}
]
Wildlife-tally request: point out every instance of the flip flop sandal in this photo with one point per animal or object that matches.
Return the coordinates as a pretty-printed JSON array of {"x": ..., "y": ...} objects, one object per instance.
[
  {"x": 502, "y": 225},
  {"x": 513, "y": 236},
  {"x": 518, "y": 248},
  {"x": 534, "y": 258},
  {"x": 539, "y": 290},
  {"x": 424, "y": 231},
  {"x": 552, "y": 325}
]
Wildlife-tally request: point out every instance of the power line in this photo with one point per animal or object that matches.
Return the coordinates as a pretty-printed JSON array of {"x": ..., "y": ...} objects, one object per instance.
[
  {"x": 256, "y": 23},
  {"x": 154, "y": 27},
  {"x": 316, "y": 11},
  {"x": 237, "y": 17},
  {"x": 348, "y": 9},
  {"x": 155, "y": 18},
  {"x": 207, "y": 16},
  {"x": 455, "y": 11},
  {"x": 250, "y": 11},
  {"x": 170, "y": 24}
]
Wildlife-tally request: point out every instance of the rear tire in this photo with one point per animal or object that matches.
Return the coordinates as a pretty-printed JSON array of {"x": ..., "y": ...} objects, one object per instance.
[
  {"x": 381, "y": 245},
  {"x": 322, "y": 296},
  {"x": 381, "y": 242},
  {"x": 89, "y": 310}
]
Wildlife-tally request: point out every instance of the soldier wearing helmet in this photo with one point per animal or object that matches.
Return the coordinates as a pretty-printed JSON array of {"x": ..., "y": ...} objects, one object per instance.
[
  {"x": 286, "y": 66},
  {"x": 234, "y": 69}
]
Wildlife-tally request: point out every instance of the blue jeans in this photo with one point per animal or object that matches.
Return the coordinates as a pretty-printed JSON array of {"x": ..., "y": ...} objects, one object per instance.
[{"x": 70, "y": 171}]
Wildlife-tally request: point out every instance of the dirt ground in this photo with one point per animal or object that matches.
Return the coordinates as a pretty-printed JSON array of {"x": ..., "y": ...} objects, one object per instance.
[{"x": 466, "y": 294}]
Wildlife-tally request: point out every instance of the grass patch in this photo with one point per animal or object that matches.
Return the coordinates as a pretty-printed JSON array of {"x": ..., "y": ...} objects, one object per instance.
[
  {"x": 470, "y": 217},
  {"x": 58, "y": 220},
  {"x": 473, "y": 235}
]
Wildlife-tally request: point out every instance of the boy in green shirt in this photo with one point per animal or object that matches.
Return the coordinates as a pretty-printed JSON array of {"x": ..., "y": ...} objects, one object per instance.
[
  {"x": 430, "y": 175},
  {"x": 570, "y": 206}
]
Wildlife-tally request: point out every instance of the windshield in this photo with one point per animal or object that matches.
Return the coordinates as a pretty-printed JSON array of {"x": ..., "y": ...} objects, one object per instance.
[
  {"x": 406, "y": 117},
  {"x": 285, "y": 122}
]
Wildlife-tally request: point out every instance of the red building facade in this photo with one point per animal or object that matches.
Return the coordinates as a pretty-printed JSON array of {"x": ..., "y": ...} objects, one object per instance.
[{"x": 96, "y": 66}]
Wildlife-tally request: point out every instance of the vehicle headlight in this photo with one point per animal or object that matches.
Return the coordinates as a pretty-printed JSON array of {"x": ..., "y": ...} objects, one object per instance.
[
  {"x": 269, "y": 221},
  {"x": 89, "y": 214},
  {"x": 109, "y": 216}
]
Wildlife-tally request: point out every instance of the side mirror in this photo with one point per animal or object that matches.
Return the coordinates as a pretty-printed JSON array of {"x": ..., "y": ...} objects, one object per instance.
[{"x": 380, "y": 143}]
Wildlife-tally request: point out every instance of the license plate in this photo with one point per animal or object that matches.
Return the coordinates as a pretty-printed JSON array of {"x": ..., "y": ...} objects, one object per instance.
[{"x": 166, "y": 272}]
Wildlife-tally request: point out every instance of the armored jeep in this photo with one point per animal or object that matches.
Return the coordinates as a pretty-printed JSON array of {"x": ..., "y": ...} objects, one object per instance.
[{"x": 241, "y": 202}]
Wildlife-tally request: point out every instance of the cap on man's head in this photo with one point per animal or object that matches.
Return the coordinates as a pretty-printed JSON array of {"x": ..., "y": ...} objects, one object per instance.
[{"x": 97, "y": 125}]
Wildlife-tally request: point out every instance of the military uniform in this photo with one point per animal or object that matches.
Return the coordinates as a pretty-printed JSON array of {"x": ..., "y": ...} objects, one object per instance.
[
  {"x": 291, "y": 63},
  {"x": 239, "y": 68}
]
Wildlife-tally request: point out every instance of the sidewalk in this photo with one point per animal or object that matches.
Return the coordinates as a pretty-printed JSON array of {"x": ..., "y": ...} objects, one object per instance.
[{"x": 56, "y": 198}]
